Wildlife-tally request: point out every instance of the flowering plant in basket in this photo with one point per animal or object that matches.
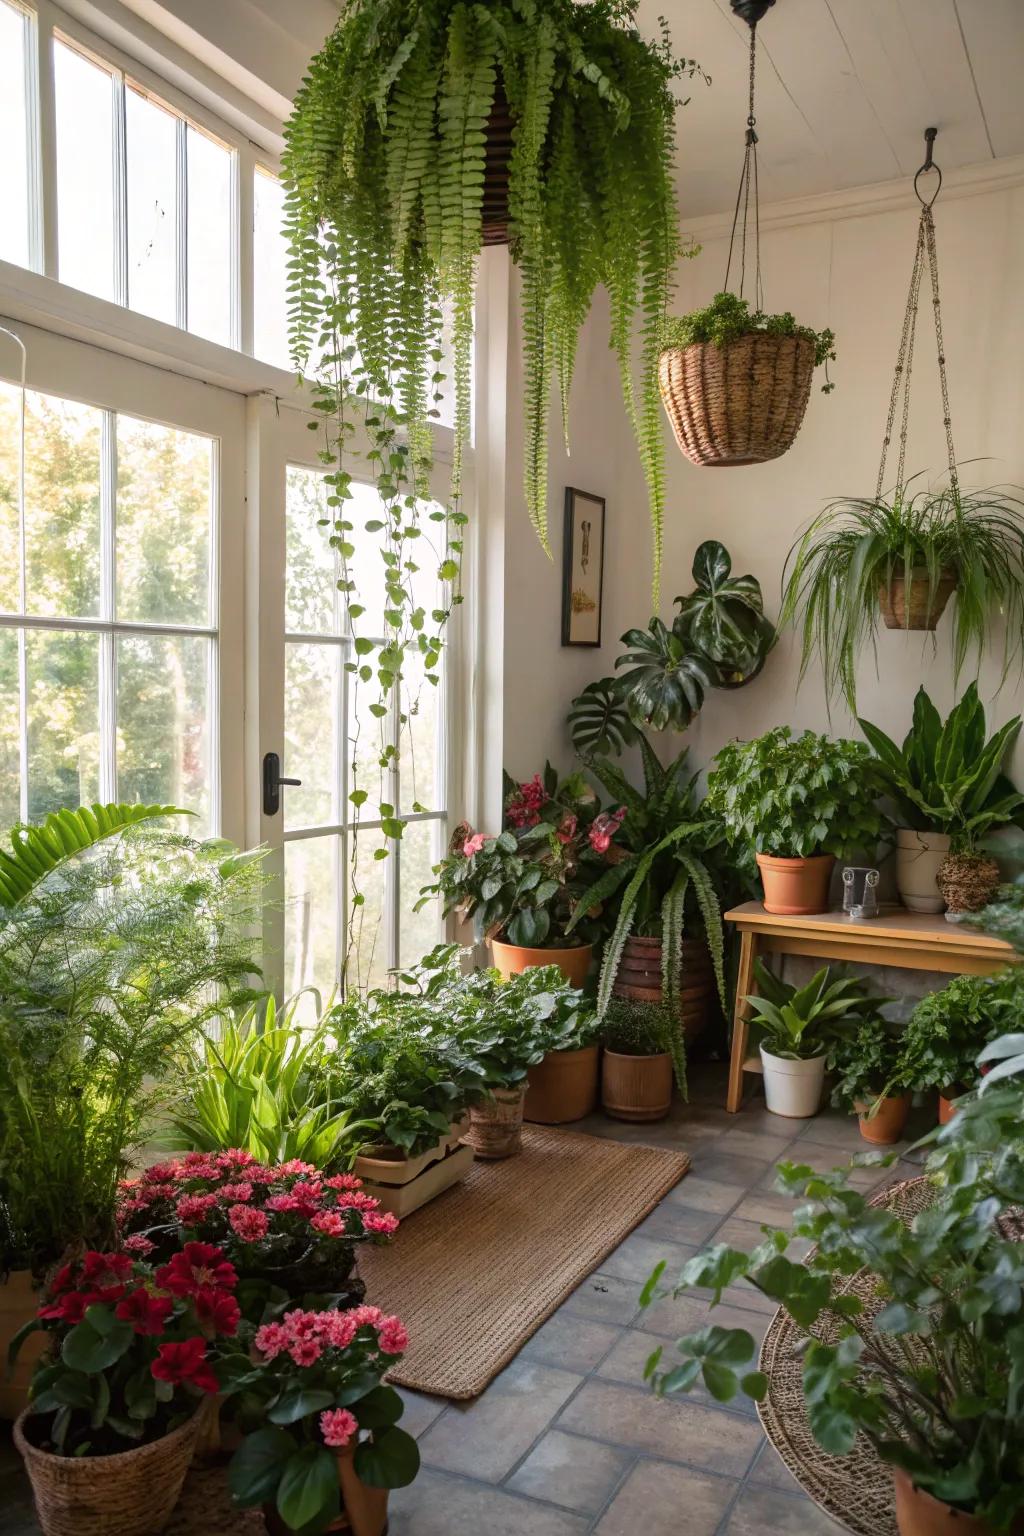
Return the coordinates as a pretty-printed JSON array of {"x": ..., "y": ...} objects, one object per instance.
[
  {"x": 135, "y": 1347},
  {"x": 318, "y": 1376},
  {"x": 289, "y": 1231}
]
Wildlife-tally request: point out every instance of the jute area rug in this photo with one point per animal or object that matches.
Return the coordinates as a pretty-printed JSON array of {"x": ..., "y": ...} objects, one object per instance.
[{"x": 473, "y": 1274}]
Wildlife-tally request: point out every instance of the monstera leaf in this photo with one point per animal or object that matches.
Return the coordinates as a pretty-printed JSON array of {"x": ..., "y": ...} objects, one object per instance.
[
  {"x": 724, "y": 618},
  {"x": 667, "y": 681},
  {"x": 599, "y": 720}
]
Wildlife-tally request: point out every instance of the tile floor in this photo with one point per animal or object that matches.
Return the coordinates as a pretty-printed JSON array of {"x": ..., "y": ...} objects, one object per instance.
[{"x": 568, "y": 1440}]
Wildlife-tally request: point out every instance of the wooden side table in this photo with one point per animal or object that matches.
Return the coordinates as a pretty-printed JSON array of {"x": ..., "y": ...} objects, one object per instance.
[{"x": 917, "y": 941}]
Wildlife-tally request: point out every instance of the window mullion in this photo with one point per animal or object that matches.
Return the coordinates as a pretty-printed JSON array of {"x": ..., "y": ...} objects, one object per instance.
[
  {"x": 108, "y": 604},
  {"x": 181, "y": 223},
  {"x": 120, "y": 175},
  {"x": 243, "y": 247},
  {"x": 343, "y": 842}
]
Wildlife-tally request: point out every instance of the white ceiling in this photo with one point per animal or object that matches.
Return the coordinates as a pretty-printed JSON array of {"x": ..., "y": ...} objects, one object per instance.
[{"x": 846, "y": 89}]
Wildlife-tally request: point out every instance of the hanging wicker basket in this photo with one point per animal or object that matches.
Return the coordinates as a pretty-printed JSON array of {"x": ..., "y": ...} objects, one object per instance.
[
  {"x": 738, "y": 404},
  {"x": 922, "y": 606},
  {"x": 498, "y": 154}
]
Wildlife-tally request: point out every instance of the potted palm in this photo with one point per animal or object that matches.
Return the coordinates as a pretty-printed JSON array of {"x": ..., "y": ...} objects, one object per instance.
[
  {"x": 795, "y": 804},
  {"x": 735, "y": 384},
  {"x": 873, "y": 1078},
  {"x": 796, "y": 1027},
  {"x": 643, "y": 1050},
  {"x": 950, "y": 790}
]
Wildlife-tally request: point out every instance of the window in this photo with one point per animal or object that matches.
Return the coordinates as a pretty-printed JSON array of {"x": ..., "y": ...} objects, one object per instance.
[
  {"x": 270, "y": 271},
  {"x": 108, "y": 610},
  {"x": 333, "y": 743},
  {"x": 14, "y": 133}
]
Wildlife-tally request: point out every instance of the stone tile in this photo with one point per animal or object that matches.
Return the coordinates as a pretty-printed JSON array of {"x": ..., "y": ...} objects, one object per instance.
[
  {"x": 767, "y": 1512},
  {"x": 729, "y": 1168},
  {"x": 675, "y": 1431},
  {"x": 698, "y": 1193},
  {"x": 770, "y": 1471},
  {"x": 17, "y": 1515},
  {"x": 634, "y": 1259},
  {"x": 420, "y": 1410},
  {"x": 765, "y": 1145},
  {"x": 571, "y": 1343},
  {"x": 748, "y": 1235},
  {"x": 572, "y": 1472},
  {"x": 680, "y": 1224},
  {"x": 605, "y": 1299},
  {"x": 435, "y": 1505},
  {"x": 673, "y": 1317},
  {"x": 661, "y": 1500},
  {"x": 627, "y": 1360},
  {"x": 485, "y": 1438}
]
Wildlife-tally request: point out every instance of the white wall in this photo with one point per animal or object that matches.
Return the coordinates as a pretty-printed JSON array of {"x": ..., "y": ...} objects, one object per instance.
[{"x": 851, "y": 273}]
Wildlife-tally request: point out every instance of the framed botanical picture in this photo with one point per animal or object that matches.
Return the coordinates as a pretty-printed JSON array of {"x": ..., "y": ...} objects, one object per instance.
[{"x": 583, "y": 568}]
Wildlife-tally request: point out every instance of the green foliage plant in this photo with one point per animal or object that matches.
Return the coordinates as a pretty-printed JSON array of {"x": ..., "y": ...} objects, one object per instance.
[
  {"x": 506, "y": 1027},
  {"x": 800, "y": 1022},
  {"x": 384, "y": 165},
  {"x": 868, "y": 1062},
  {"x": 796, "y": 796},
  {"x": 118, "y": 953},
  {"x": 948, "y": 775},
  {"x": 646, "y": 1029},
  {"x": 856, "y": 546},
  {"x": 665, "y": 882},
  {"x": 728, "y": 318},
  {"x": 948, "y": 1028}
]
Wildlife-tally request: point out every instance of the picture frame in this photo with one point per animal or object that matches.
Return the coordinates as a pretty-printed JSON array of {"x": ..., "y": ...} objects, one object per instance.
[{"x": 583, "y": 568}]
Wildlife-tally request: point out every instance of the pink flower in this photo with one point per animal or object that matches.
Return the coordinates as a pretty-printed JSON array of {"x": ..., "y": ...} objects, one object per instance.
[
  {"x": 337, "y": 1426},
  {"x": 138, "y": 1245},
  {"x": 236, "y": 1192},
  {"x": 248, "y": 1224},
  {"x": 383, "y": 1223},
  {"x": 567, "y": 828},
  {"x": 603, "y": 829},
  {"x": 260, "y": 1175},
  {"x": 523, "y": 809},
  {"x": 306, "y": 1352},
  {"x": 237, "y": 1157},
  {"x": 341, "y": 1181},
  {"x": 473, "y": 844},
  {"x": 392, "y": 1337},
  {"x": 281, "y": 1203},
  {"x": 366, "y": 1317},
  {"x": 295, "y": 1166},
  {"x": 192, "y": 1209},
  {"x": 301, "y": 1325},
  {"x": 337, "y": 1329},
  {"x": 357, "y": 1201},
  {"x": 330, "y": 1223},
  {"x": 271, "y": 1340}
]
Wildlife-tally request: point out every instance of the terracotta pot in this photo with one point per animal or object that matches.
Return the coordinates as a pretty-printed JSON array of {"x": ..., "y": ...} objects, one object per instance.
[
  {"x": 496, "y": 1125},
  {"x": 967, "y": 881},
  {"x": 796, "y": 887},
  {"x": 916, "y": 608},
  {"x": 513, "y": 959},
  {"x": 131, "y": 1493},
  {"x": 921, "y": 1514},
  {"x": 563, "y": 1087},
  {"x": 639, "y": 980},
  {"x": 636, "y": 1087},
  {"x": 888, "y": 1122},
  {"x": 18, "y": 1302},
  {"x": 918, "y": 858},
  {"x": 947, "y": 1104},
  {"x": 364, "y": 1510}
]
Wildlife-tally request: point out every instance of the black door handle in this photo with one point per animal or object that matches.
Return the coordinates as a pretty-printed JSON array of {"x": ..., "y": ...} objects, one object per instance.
[{"x": 272, "y": 782}]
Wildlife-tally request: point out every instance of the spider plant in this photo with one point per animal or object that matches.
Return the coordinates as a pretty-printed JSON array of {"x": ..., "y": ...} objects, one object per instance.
[{"x": 855, "y": 548}]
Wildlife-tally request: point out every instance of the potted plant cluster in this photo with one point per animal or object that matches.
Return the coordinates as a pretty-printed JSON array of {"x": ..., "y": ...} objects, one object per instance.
[
  {"x": 644, "y": 1050},
  {"x": 735, "y": 383},
  {"x": 796, "y": 1026},
  {"x": 948, "y": 1028},
  {"x": 117, "y": 1403},
  {"x": 950, "y": 790},
  {"x": 330, "y": 1445},
  {"x": 873, "y": 1078},
  {"x": 796, "y": 803}
]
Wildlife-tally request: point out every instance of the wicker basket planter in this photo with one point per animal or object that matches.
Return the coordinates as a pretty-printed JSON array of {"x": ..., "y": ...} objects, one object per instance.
[
  {"x": 364, "y": 1510},
  {"x": 131, "y": 1493},
  {"x": 496, "y": 1125},
  {"x": 915, "y": 605},
  {"x": 967, "y": 882},
  {"x": 738, "y": 404},
  {"x": 497, "y": 158},
  {"x": 18, "y": 1301},
  {"x": 639, "y": 980},
  {"x": 403, "y": 1184},
  {"x": 563, "y": 1087},
  {"x": 636, "y": 1088}
]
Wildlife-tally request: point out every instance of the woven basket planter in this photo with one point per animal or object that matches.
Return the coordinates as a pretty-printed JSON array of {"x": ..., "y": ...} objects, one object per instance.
[
  {"x": 132, "y": 1493},
  {"x": 496, "y": 1125},
  {"x": 967, "y": 881},
  {"x": 497, "y": 156},
  {"x": 639, "y": 980},
  {"x": 738, "y": 404},
  {"x": 563, "y": 1087},
  {"x": 920, "y": 607}
]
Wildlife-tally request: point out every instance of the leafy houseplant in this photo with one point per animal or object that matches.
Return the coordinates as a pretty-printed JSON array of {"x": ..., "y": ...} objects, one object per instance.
[
  {"x": 872, "y": 1078},
  {"x": 796, "y": 1027},
  {"x": 904, "y": 556},
  {"x": 796, "y": 804},
  {"x": 643, "y": 1050},
  {"x": 950, "y": 790},
  {"x": 948, "y": 1028},
  {"x": 331, "y": 1441}
]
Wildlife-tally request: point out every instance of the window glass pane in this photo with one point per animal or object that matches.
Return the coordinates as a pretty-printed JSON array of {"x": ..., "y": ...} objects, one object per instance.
[
  {"x": 164, "y": 494},
  {"x": 85, "y": 176},
  {"x": 311, "y": 885},
  {"x": 310, "y": 582},
  {"x": 209, "y": 236},
  {"x": 151, "y": 146},
  {"x": 367, "y": 738},
  {"x": 270, "y": 277},
  {"x": 62, "y": 675},
  {"x": 10, "y": 730},
  {"x": 366, "y": 568},
  {"x": 62, "y": 506},
  {"x": 13, "y": 136},
  {"x": 311, "y": 746},
  {"x": 163, "y": 722},
  {"x": 418, "y": 932},
  {"x": 368, "y": 956},
  {"x": 420, "y": 768},
  {"x": 10, "y": 452}
]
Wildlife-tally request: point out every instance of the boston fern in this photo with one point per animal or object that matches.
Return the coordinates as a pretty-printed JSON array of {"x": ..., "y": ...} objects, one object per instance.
[{"x": 384, "y": 166}]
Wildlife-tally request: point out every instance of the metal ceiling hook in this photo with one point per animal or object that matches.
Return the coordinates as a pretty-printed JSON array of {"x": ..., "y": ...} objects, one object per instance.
[
  {"x": 751, "y": 11},
  {"x": 930, "y": 135}
]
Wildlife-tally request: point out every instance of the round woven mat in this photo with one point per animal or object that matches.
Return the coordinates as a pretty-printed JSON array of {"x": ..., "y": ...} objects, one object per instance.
[{"x": 856, "y": 1490}]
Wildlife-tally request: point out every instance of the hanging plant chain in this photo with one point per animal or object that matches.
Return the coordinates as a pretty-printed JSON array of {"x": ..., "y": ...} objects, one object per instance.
[{"x": 748, "y": 177}]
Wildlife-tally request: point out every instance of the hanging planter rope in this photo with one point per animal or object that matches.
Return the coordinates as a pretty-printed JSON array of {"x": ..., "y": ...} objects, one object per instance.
[{"x": 741, "y": 401}]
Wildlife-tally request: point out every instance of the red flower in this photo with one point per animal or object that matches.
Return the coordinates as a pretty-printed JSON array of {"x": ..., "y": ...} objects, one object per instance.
[
  {"x": 567, "y": 828},
  {"x": 603, "y": 829},
  {"x": 198, "y": 1267},
  {"x": 524, "y": 807},
  {"x": 185, "y": 1364},
  {"x": 63, "y": 1280},
  {"x": 70, "y": 1308},
  {"x": 106, "y": 1270},
  {"x": 147, "y": 1314},
  {"x": 219, "y": 1311}
]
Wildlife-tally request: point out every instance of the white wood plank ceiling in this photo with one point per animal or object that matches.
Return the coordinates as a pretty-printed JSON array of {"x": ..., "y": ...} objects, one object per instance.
[{"x": 846, "y": 89}]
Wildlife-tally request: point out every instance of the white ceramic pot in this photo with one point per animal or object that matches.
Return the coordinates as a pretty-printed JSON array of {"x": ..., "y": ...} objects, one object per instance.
[
  {"x": 793, "y": 1088},
  {"x": 918, "y": 856}
]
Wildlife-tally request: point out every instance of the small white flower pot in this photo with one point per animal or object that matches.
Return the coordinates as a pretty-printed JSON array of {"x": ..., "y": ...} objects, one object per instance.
[{"x": 793, "y": 1088}]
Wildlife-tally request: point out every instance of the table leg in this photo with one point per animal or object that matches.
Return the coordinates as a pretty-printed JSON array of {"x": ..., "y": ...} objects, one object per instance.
[{"x": 740, "y": 1029}]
